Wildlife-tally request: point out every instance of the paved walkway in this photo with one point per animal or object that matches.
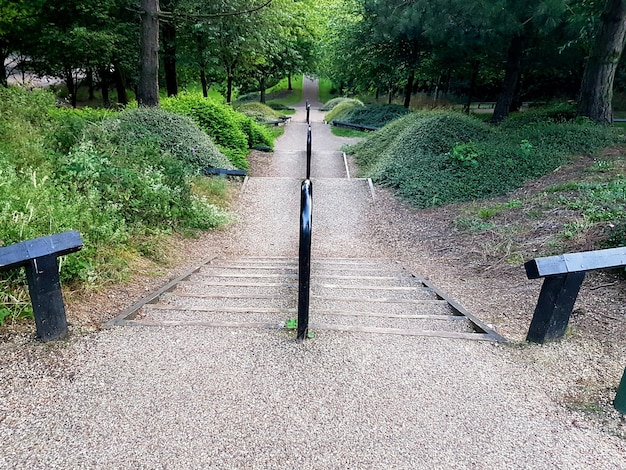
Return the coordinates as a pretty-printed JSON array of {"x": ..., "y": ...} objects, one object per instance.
[{"x": 194, "y": 397}]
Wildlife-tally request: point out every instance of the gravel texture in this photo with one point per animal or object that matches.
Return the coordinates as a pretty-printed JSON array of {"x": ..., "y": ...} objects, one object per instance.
[{"x": 199, "y": 397}]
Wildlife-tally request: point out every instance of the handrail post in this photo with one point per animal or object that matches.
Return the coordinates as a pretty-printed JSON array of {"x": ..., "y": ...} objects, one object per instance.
[
  {"x": 308, "y": 153},
  {"x": 304, "y": 264},
  {"x": 308, "y": 113}
]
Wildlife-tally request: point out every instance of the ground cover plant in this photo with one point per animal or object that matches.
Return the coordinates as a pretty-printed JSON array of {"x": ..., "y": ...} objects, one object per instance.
[
  {"x": 233, "y": 132},
  {"x": 259, "y": 112},
  {"x": 373, "y": 115},
  {"x": 123, "y": 180},
  {"x": 436, "y": 158}
]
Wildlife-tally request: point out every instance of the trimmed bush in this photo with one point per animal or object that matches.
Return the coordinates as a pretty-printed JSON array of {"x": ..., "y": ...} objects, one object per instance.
[
  {"x": 341, "y": 109},
  {"x": 259, "y": 112},
  {"x": 178, "y": 135},
  {"x": 370, "y": 115},
  {"x": 330, "y": 105},
  {"x": 233, "y": 132}
]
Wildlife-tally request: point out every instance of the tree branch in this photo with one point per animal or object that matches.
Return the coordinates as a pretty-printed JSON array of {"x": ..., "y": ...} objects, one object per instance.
[{"x": 166, "y": 14}]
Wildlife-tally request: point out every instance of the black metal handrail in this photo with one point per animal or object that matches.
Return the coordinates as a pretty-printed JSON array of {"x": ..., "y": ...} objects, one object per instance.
[
  {"x": 308, "y": 153},
  {"x": 304, "y": 264},
  {"x": 308, "y": 113}
]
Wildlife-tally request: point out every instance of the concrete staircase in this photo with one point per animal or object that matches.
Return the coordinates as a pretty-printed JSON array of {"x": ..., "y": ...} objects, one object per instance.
[{"x": 347, "y": 294}]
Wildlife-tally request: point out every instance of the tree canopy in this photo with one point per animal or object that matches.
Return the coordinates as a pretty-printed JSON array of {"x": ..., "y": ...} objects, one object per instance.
[{"x": 503, "y": 51}]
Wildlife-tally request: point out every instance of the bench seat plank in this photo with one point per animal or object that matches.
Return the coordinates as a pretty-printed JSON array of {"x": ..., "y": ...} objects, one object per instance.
[
  {"x": 59, "y": 244},
  {"x": 576, "y": 262}
]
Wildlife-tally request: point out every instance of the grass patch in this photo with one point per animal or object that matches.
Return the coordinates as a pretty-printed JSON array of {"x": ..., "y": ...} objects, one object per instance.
[
  {"x": 344, "y": 132},
  {"x": 280, "y": 94},
  {"x": 327, "y": 90}
]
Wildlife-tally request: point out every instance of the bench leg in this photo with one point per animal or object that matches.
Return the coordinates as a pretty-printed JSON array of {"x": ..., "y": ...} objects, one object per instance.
[
  {"x": 44, "y": 287},
  {"x": 554, "y": 307}
]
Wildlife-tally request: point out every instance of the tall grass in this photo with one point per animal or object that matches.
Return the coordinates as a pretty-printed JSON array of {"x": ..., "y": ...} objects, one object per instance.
[{"x": 122, "y": 180}]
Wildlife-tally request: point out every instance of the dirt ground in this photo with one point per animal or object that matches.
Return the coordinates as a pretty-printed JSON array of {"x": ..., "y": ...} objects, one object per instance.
[{"x": 479, "y": 266}]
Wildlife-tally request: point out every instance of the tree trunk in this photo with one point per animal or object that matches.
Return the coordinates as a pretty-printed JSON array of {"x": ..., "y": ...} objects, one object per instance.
[
  {"x": 120, "y": 85},
  {"x": 289, "y": 86},
  {"x": 408, "y": 90},
  {"x": 71, "y": 87},
  {"x": 596, "y": 91},
  {"x": 203, "y": 81},
  {"x": 148, "y": 86},
  {"x": 511, "y": 76},
  {"x": 3, "y": 69},
  {"x": 473, "y": 80},
  {"x": 90, "y": 84},
  {"x": 168, "y": 30},
  {"x": 262, "y": 87},
  {"x": 104, "y": 86},
  {"x": 229, "y": 88}
]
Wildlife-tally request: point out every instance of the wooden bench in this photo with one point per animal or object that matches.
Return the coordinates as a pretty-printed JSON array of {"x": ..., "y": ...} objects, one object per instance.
[
  {"x": 209, "y": 171},
  {"x": 563, "y": 276},
  {"x": 357, "y": 127},
  {"x": 279, "y": 121},
  {"x": 39, "y": 257}
]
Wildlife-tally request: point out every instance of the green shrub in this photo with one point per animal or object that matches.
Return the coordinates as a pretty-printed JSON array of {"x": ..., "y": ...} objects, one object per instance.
[
  {"x": 258, "y": 111},
  {"x": 233, "y": 132},
  {"x": 368, "y": 152},
  {"x": 370, "y": 115},
  {"x": 330, "y": 105},
  {"x": 178, "y": 135},
  {"x": 69, "y": 125},
  {"x": 341, "y": 109},
  {"x": 554, "y": 113}
]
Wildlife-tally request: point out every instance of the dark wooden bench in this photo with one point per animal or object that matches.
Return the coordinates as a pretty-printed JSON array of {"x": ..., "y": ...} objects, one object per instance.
[
  {"x": 279, "y": 121},
  {"x": 39, "y": 257},
  {"x": 563, "y": 276},
  {"x": 223, "y": 172},
  {"x": 357, "y": 127}
]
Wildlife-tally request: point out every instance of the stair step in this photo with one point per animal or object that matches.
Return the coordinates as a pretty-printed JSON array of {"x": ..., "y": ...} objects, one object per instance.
[
  {"x": 288, "y": 289},
  {"x": 435, "y": 307},
  {"x": 347, "y": 294},
  {"x": 380, "y": 292},
  {"x": 235, "y": 300}
]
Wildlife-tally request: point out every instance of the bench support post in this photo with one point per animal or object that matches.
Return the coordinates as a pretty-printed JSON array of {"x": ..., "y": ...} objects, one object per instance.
[
  {"x": 44, "y": 287},
  {"x": 554, "y": 307}
]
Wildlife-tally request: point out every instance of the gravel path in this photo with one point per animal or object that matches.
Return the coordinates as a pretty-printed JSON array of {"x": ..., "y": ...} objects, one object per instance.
[{"x": 193, "y": 397}]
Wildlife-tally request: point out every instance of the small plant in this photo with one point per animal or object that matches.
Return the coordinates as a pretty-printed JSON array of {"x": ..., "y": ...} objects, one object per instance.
[
  {"x": 526, "y": 147},
  {"x": 291, "y": 323},
  {"x": 466, "y": 154}
]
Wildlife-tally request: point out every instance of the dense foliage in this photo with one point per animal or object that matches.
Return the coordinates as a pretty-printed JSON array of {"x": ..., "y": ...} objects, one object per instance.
[
  {"x": 366, "y": 115},
  {"x": 120, "y": 180},
  {"x": 233, "y": 132},
  {"x": 442, "y": 157}
]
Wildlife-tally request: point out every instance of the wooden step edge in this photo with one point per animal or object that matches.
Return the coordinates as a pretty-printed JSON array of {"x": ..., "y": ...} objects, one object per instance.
[
  {"x": 202, "y": 323},
  {"x": 237, "y": 284},
  {"x": 403, "y": 332},
  {"x": 379, "y": 300},
  {"x": 201, "y": 308},
  {"x": 431, "y": 316}
]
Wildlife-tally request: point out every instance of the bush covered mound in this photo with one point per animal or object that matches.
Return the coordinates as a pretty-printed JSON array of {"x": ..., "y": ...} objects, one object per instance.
[
  {"x": 369, "y": 115},
  {"x": 330, "y": 105},
  {"x": 233, "y": 132},
  {"x": 173, "y": 133},
  {"x": 435, "y": 158},
  {"x": 121, "y": 192},
  {"x": 341, "y": 109},
  {"x": 259, "y": 112}
]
